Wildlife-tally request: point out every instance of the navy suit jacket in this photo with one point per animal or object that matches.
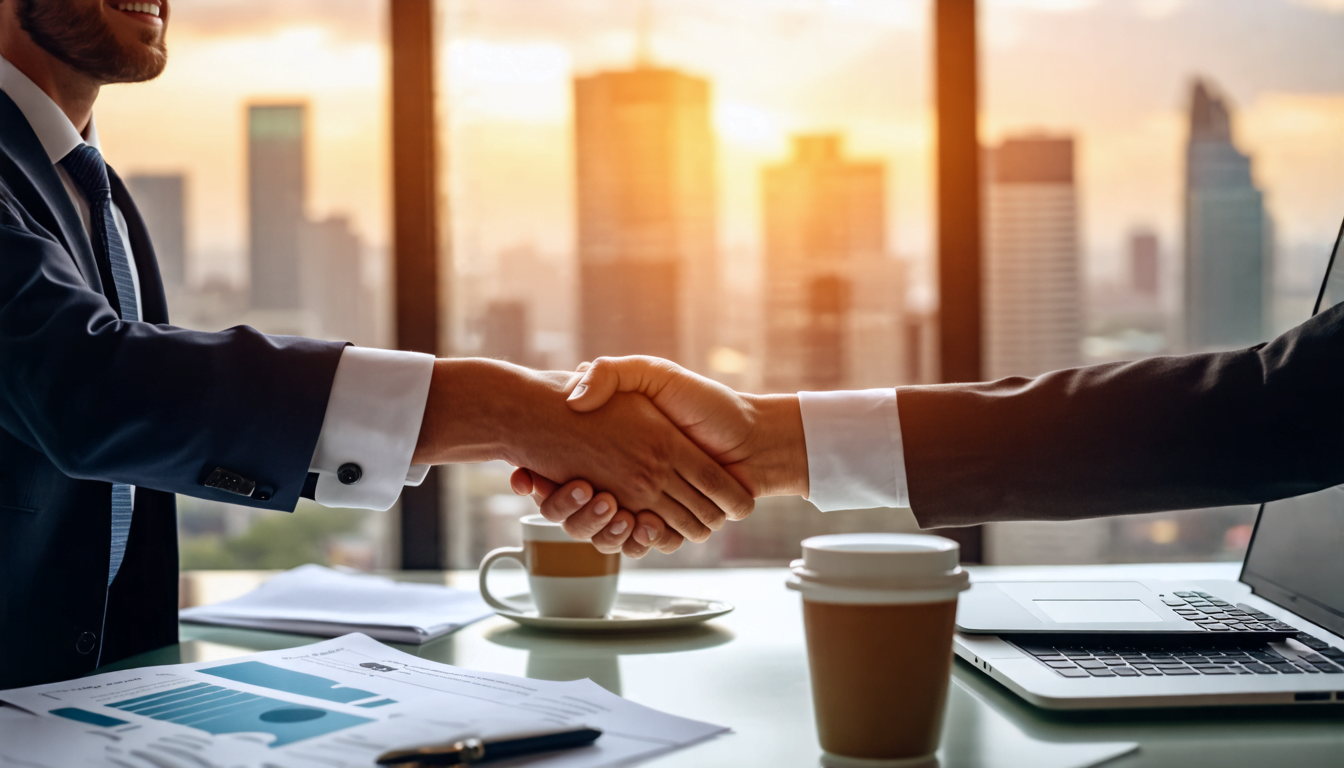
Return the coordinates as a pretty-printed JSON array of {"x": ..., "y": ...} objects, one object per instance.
[{"x": 87, "y": 400}]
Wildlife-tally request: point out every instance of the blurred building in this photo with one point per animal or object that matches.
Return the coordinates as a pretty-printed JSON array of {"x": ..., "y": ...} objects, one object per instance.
[
  {"x": 161, "y": 200},
  {"x": 1227, "y": 233},
  {"x": 1033, "y": 291},
  {"x": 331, "y": 273},
  {"x": 505, "y": 332},
  {"x": 646, "y": 215},
  {"x": 834, "y": 298},
  {"x": 276, "y": 185},
  {"x": 1033, "y": 311},
  {"x": 1128, "y": 318},
  {"x": 1143, "y": 262},
  {"x": 544, "y": 285}
]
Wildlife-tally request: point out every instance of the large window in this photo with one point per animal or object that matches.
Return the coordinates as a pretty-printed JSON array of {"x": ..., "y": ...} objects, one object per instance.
[
  {"x": 743, "y": 187},
  {"x": 748, "y": 188},
  {"x": 1161, "y": 177},
  {"x": 259, "y": 160}
]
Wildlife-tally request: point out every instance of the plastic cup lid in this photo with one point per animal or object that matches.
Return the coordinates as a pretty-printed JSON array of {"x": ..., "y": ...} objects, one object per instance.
[{"x": 881, "y": 561}]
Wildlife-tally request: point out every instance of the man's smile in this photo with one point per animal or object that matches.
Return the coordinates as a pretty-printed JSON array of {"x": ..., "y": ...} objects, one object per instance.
[{"x": 146, "y": 12}]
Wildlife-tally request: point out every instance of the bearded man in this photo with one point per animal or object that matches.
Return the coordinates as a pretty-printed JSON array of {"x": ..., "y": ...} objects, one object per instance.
[{"x": 106, "y": 410}]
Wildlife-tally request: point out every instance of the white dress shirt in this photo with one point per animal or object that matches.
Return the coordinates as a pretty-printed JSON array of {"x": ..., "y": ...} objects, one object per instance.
[
  {"x": 855, "y": 459},
  {"x": 377, "y": 397}
]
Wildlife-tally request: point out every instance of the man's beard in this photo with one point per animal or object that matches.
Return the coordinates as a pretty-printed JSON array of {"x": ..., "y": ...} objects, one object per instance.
[{"x": 82, "y": 40}]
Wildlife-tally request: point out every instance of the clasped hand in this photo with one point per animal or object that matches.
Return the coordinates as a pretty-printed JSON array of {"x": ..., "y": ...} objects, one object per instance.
[{"x": 756, "y": 439}]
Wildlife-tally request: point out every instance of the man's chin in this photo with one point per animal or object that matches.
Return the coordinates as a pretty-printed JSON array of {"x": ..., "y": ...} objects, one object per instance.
[
  {"x": 144, "y": 66},
  {"x": 139, "y": 60}
]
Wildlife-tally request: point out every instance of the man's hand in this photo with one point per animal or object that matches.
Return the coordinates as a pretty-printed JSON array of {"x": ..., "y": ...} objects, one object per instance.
[
  {"x": 758, "y": 438},
  {"x": 480, "y": 410},
  {"x": 584, "y": 517}
]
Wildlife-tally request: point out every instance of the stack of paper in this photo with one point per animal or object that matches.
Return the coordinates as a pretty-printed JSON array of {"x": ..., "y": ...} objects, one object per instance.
[
  {"x": 312, "y": 600},
  {"x": 335, "y": 704}
]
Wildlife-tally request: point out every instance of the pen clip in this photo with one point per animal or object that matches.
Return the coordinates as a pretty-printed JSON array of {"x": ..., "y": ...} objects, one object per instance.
[
  {"x": 461, "y": 752},
  {"x": 470, "y": 750}
]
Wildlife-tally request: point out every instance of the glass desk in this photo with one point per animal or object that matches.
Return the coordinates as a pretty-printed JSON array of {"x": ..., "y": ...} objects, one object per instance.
[{"x": 748, "y": 671}]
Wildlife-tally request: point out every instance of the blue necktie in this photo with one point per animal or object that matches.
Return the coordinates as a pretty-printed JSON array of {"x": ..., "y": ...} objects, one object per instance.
[{"x": 87, "y": 169}]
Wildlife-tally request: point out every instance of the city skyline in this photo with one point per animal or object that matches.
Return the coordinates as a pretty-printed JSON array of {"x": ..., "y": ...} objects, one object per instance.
[
  {"x": 293, "y": 160},
  {"x": 512, "y": 178},
  {"x": 506, "y": 81}
]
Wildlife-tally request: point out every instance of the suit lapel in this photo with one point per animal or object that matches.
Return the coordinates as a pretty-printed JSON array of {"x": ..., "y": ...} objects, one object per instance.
[
  {"x": 153, "y": 304},
  {"x": 37, "y": 186}
]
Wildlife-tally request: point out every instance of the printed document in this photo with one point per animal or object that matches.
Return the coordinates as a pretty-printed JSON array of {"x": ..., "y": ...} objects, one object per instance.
[
  {"x": 313, "y": 600},
  {"x": 333, "y": 704}
]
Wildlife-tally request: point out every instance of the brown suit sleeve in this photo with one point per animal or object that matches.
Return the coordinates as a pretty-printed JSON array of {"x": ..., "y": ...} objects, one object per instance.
[{"x": 1166, "y": 433}]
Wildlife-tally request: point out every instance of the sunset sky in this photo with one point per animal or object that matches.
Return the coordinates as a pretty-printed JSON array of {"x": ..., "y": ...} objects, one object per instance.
[{"x": 1113, "y": 73}]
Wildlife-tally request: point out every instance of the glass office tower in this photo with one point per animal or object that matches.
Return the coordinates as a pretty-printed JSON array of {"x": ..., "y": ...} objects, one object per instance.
[{"x": 1227, "y": 233}]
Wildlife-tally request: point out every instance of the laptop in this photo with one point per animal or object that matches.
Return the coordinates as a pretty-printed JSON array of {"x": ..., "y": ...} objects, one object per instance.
[{"x": 1274, "y": 636}]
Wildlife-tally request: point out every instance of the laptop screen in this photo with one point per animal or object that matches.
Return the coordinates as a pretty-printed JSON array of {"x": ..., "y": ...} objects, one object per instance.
[
  {"x": 1295, "y": 558},
  {"x": 1332, "y": 288}
]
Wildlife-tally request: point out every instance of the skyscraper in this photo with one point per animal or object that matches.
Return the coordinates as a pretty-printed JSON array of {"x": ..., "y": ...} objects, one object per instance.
[
  {"x": 276, "y": 186},
  {"x": 1033, "y": 306},
  {"x": 1033, "y": 311},
  {"x": 1143, "y": 262},
  {"x": 161, "y": 200},
  {"x": 331, "y": 278},
  {"x": 833, "y": 296},
  {"x": 1227, "y": 233},
  {"x": 646, "y": 218}
]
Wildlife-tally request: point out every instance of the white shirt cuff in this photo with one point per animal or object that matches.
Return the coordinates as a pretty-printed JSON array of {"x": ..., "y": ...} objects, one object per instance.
[
  {"x": 854, "y": 454},
  {"x": 373, "y": 420}
]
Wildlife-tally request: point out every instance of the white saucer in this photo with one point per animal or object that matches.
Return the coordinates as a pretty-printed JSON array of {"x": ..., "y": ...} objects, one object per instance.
[{"x": 632, "y": 612}]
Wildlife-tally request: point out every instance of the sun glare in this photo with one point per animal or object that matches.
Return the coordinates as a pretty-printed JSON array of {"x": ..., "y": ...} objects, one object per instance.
[{"x": 751, "y": 126}]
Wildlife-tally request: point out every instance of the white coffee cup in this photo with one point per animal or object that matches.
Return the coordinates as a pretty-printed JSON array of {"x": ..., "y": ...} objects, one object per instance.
[
  {"x": 879, "y": 610},
  {"x": 568, "y": 578}
]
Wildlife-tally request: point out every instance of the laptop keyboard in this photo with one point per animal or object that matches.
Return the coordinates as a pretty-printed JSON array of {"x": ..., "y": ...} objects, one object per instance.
[
  {"x": 1213, "y": 614},
  {"x": 1077, "y": 657}
]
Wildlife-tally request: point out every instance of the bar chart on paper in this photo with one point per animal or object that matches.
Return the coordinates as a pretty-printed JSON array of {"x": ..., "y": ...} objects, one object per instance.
[
  {"x": 334, "y": 704},
  {"x": 220, "y": 709}
]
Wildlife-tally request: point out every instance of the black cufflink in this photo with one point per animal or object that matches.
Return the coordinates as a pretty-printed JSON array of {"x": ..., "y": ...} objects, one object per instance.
[{"x": 349, "y": 474}]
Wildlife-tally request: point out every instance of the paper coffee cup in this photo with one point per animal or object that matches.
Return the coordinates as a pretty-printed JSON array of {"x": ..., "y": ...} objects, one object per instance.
[{"x": 879, "y": 610}]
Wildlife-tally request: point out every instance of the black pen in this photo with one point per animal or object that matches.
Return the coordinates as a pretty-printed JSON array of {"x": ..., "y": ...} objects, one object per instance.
[{"x": 473, "y": 750}]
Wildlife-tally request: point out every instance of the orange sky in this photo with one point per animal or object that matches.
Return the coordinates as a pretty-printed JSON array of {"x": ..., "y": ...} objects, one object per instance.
[{"x": 1114, "y": 73}]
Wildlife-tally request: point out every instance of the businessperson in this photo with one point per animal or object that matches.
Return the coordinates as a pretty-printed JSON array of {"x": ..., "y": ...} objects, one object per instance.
[
  {"x": 1166, "y": 433},
  {"x": 106, "y": 410}
]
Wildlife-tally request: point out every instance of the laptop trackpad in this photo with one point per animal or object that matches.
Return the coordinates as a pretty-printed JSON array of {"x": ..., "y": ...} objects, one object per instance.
[
  {"x": 1096, "y": 611},
  {"x": 1079, "y": 606}
]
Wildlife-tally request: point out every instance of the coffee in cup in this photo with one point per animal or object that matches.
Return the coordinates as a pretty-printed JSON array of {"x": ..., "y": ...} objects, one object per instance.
[
  {"x": 878, "y": 609},
  {"x": 568, "y": 578}
]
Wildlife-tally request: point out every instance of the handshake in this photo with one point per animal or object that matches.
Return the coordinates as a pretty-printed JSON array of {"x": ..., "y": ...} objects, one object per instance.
[{"x": 634, "y": 453}]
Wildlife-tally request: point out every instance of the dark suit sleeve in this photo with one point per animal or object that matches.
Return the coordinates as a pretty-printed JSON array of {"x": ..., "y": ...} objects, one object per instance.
[
  {"x": 151, "y": 405},
  {"x": 1167, "y": 433}
]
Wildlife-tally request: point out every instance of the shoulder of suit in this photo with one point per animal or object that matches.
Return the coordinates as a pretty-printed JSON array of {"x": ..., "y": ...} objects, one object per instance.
[
  {"x": 13, "y": 214},
  {"x": 15, "y": 133}
]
